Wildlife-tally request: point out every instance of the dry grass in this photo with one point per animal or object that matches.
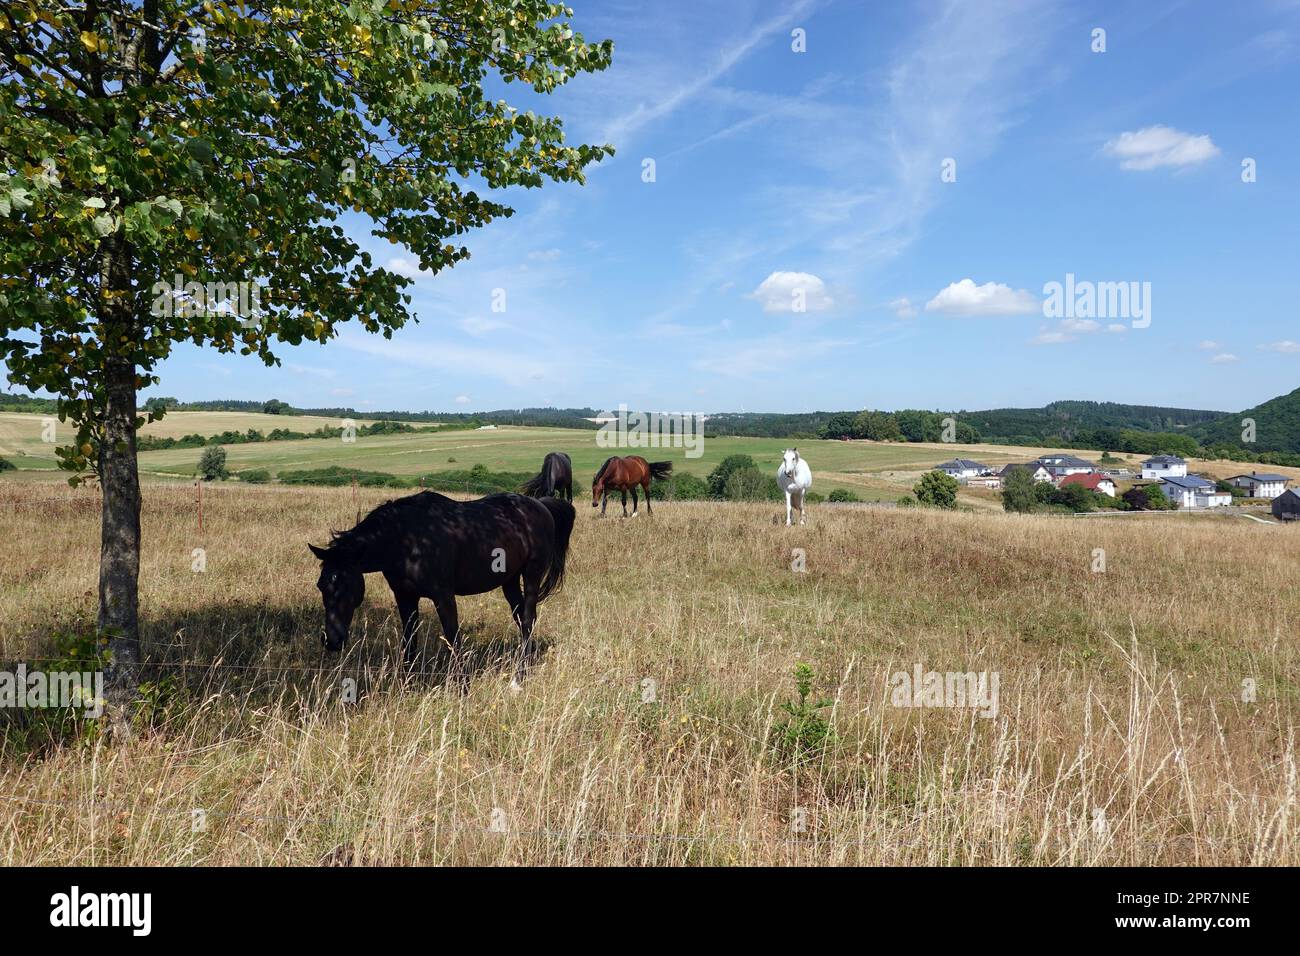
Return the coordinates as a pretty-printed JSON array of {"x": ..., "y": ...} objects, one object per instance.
[{"x": 1119, "y": 692}]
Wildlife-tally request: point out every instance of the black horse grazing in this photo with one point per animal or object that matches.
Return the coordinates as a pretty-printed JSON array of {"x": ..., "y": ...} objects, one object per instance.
[
  {"x": 428, "y": 545},
  {"x": 555, "y": 478}
]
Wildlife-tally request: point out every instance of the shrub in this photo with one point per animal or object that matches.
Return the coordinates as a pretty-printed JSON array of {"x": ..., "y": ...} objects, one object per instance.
[
  {"x": 334, "y": 476},
  {"x": 680, "y": 487},
  {"x": 718, "y": 476},
  {"x": 212, "y": 463},
  {"x": 748, "y": 484},
  {"x": 6, "y": 464},
  {"x": 254, "y": 476},
  {"x": 842, "y": 494},
  {"x": 907, "y": 501},
  {"x": 936, "y": 490},
  {"x": 804, "y": 734}
]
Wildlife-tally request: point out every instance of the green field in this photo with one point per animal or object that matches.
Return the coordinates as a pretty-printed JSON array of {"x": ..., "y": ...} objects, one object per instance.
[{"x": 875, "y": 471}]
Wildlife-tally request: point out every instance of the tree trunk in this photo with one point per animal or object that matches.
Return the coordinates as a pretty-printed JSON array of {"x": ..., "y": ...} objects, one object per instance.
[{"x": 119, "y": 552}]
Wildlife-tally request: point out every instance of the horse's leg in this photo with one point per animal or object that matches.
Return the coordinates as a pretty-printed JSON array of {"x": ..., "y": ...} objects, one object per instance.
[
  {"x": 515, "y": 598},
  {"x": 645, "y": 486},
  {"x": 604, "y": 500},
  {"x": 527, "y": 647},
  {"x": 408, "y": 610},
  {"x": 445, "y": 602},
  {"x": 788, "y": 510},
  {"x": 623, "y": 492},
  {"x": 634, "y": 501},
  {"x": 802, "y": 492}
]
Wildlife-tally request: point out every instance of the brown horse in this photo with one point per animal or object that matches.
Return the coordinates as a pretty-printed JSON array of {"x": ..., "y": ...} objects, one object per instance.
[{"x": 624, "y": 473}]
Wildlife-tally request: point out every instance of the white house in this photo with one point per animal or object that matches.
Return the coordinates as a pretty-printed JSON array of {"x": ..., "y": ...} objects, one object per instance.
[
  {"x": 961, "y": 468},
  {"x": 1261, "y": 484},
  {"x": 1059, "y": 466},
  {"x": 1193, "y": 492},
  {"x": 1034, "y": 468},
  {"x": 1164, "y": 466}
]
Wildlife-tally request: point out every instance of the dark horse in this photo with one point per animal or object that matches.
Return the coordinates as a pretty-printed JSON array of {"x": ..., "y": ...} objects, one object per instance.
[
  {"x": 555, "y": 479},
  {"x": 624, "y": 473},
  {"x": 428, "y": 545}
]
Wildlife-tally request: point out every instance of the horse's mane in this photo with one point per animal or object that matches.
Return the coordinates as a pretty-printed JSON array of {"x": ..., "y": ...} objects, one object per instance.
[
  {"x": 601, "y": 473},
  {"x": 385, "y": 519}
]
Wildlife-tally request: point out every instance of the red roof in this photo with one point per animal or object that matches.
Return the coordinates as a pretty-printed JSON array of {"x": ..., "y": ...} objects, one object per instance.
[{"x": 1088, "y": 481}]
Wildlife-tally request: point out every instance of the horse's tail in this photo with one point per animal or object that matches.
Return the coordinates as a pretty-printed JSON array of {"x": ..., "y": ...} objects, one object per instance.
[
  {"x": 538, "y": 485},
  {"x": 601, "y": 471},
  {"x": 661, "y": 469},
  {"x": 563, "y": 514}
]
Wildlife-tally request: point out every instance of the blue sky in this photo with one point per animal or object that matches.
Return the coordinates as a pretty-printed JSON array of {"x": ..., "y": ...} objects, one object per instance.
[{"x": 820, "y": 173}]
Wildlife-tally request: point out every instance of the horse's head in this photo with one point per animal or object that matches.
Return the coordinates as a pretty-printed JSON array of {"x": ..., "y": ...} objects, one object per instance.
[
  {"x": 342, "y": 586},
  {"x": 790, "y": 462},
  {"x": 598, "y": 484}
]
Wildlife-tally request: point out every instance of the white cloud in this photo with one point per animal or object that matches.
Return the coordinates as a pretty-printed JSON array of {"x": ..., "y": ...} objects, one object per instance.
[
  {"x": 544, "y": 255},
  {"x": 1286, "y": 345},
  {"x": 1209, "y": 345},
  {"x": 1224, "y": 358},
  {"x": 1117, "y": 327},
  {"x": 1157, "y": 146},
  {"x": 1080, "y": 325},
  {"x": 491, "y": 362},
  {"x": 462, "y": 399},
  {"x": 903, "y": 308},
  {"x": 1055, "y": 337},
  {"x": 965, "y": 298},
  {"x": 792, "y": 292},
  {"x": 406, "y": 266}
]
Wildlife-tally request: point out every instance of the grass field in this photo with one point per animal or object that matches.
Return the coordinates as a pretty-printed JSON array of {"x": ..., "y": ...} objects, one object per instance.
[
  {"x": 875, "y": 471},
  {"x": 643, "y": 735}
]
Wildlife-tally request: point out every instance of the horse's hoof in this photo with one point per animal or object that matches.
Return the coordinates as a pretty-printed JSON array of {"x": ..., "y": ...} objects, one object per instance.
[
  {"x": 516, "y": 687},
  {"x": 633, "y": 514}
]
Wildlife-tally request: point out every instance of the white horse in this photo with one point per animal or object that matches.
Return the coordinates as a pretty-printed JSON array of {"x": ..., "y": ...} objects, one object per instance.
[{"x": 795, "y": 478}]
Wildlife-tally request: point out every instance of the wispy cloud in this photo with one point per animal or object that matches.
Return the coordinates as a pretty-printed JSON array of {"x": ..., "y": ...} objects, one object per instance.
[{"x": 1286, "y": 345}]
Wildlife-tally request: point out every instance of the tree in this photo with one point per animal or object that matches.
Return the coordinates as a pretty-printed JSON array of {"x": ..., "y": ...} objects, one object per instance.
[
  {"x": 174, "y": 170},
  {"x": 876, "y": 426},
  {"x": 1018, "y": 490},
  {"x": 937, "y": 490},
  {"x": 718, "y": 476},
  {"x": 276, "y": 407},
  {"x": 839, "y": 425},
  {"x": 212, "y": 463}
]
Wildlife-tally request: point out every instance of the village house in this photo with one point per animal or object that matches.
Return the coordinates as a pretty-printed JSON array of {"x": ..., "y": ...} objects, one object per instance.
[
  {"x": 962, "y": 468},
  {"x": 992, "y": 482},
  {"x": 1260, "y": 484},
  {"x": 1034, "y": 468},
  {"x": 1286, "y": 506},
  {"x": 1164, "y": 466},
  {"x": 1059, "y": 466},
  {"x": 1193, "y": 492},
  {"x": 1093, "y": 482}
]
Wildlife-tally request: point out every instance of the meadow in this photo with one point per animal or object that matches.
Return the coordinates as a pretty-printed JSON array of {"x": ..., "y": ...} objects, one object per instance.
[
  {"x": 1146, "y": 712},
  {"x": 874, "y": 471}
]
